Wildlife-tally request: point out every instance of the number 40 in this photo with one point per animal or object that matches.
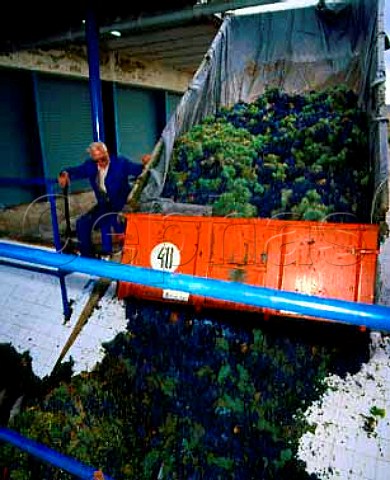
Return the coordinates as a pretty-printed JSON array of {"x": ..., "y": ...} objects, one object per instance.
[{"x": 165, "y": 255}]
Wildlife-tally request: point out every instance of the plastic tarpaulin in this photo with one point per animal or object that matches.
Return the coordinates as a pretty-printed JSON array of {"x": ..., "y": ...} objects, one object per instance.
[{"x": 296, "y": 50}]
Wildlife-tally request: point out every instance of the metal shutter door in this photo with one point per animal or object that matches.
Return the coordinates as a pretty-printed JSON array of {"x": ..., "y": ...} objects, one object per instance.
[
  {"x": 65, "y": 122},
  {"x": 136, "y": 116},
  {"x": 16, "y": 135}
]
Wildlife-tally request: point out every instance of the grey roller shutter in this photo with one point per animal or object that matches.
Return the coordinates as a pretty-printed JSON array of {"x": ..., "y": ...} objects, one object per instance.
[
  {"x": 65, "y": 122},
  {"x": 17, "y": 135},
  {"x": 137, "y": 123}
]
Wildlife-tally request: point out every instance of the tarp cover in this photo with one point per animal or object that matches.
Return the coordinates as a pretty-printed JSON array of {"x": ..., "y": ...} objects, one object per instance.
[{"x": 297, "y": 50}]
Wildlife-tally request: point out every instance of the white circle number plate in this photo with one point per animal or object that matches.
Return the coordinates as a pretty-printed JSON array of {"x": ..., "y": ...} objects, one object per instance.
[{"x": 165, "y": 256}]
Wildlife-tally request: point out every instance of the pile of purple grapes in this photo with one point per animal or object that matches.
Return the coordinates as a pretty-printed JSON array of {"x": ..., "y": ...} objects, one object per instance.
[{"x": 290, "y": 156}]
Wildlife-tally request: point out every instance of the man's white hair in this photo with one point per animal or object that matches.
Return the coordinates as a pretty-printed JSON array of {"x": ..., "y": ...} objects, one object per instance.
[{"x": 97, "y": 146}]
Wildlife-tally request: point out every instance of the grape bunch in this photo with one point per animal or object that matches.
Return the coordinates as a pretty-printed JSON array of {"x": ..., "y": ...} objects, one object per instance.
[
  {"x": 301, "y": 157},
  {"x": 186, "y": 395}
]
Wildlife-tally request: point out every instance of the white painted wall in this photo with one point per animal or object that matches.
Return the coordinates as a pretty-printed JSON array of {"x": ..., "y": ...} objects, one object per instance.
[{"x": 117, "y": 67}]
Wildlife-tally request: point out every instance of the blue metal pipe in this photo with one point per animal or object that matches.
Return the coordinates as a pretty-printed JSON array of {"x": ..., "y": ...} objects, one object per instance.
[
  {"x": 58, "y": 246},
  {"x": 52, "y": 199},
  {"x": 95, "y": 88},
  {"x": 374, "y": 317},
  {"x": 54, "y": 218},
  {"x": 49, "y": 184},
  {"x": 66, "y": 307},
  {"x": 32, "y": 268},
  {"x": 46, "y": 454}
]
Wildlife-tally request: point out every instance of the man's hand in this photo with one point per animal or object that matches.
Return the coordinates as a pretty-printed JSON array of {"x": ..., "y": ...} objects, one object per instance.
[
  {"x": 146, "y": 159},
  {"x": 63, "y": 179}
]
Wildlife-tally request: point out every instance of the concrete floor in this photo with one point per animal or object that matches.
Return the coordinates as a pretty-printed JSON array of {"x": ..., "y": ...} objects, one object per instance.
[
  {"x": 350, "y": 442},
  {"x": 341, "y": 447},
  {"x": 31, "y": 318}
]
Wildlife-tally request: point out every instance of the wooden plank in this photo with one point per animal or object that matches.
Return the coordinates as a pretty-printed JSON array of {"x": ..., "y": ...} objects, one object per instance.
[{"x": 100, "y": 287}]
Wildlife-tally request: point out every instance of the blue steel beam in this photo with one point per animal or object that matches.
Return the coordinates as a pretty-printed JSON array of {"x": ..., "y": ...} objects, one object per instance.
[
  {"x": 58, "y": 245},
  {"x": 95, "y": 87},
  {"x": 49, "y": 184},
  {"x": 50, "y": 193},
  {"x": 46, "y": 454},
  {"x": 374, "y": 317},
  {"x": 31, "y": 268}
]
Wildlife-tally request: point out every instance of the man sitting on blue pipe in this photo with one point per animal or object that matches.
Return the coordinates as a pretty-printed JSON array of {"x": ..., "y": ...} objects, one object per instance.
[{"x": 108, "y": 176}]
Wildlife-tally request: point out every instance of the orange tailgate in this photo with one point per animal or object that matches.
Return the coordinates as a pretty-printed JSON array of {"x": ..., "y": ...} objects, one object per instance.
[{"x": 323, "y": 259}]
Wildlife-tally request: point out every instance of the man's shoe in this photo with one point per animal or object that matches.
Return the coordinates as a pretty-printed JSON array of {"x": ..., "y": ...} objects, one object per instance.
[{"x": 105, "y": 256}]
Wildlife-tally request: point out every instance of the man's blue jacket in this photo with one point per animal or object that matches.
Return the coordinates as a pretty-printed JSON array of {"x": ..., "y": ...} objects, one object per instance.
[{"x": 116, "y": 182}]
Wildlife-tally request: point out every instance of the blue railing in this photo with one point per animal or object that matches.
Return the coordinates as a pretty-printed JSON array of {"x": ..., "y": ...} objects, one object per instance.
[
  {"x": 48, "y": 455},
  {"x": 375, "y": 317},
  {"x": 51, "y": 196}
]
